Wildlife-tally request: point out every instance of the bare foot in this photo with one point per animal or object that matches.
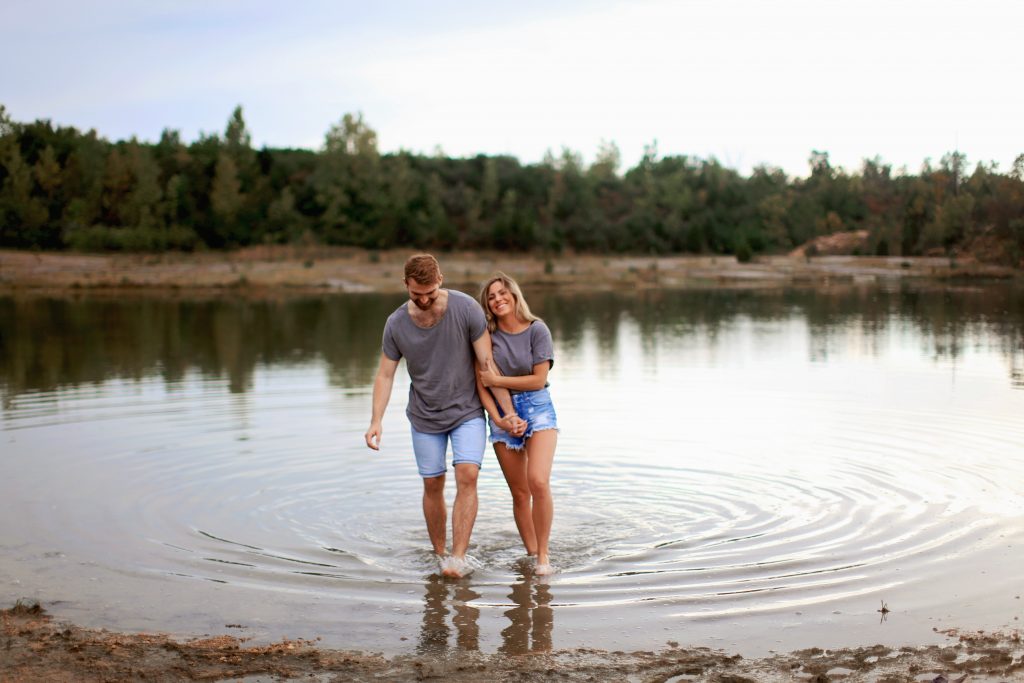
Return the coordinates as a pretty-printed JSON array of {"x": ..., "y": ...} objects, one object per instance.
[
  {"x": 543, "y": 569},
  {"x": 455, "y": 567}
]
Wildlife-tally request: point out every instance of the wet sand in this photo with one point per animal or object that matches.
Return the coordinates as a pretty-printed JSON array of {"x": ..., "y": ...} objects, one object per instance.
[
  {"x": 35, "y": 647},
  {"x": 277, "y": 270}
]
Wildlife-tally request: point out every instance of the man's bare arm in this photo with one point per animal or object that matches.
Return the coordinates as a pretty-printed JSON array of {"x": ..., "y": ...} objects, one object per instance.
[
  {"x": 382, "y": 385},
  {"x": 482, "y": 349},
  {"x": 500, "y": 417}
]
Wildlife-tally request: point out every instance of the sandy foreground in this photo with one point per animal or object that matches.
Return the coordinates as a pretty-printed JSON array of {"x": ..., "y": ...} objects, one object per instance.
[
  {"x": 280, "y": 270},
  {"x": 36, "y": 648}
]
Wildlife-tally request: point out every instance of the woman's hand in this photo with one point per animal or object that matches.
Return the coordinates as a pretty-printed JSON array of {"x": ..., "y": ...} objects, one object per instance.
[
  {"x": 513, "y": 424},
  {"x": 488, "y": 377}
]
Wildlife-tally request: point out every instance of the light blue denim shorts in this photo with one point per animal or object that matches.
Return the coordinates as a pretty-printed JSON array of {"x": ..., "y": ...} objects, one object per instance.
[
  {"x": 539, "y": 412},
  {"x": 468, "y": 443}
]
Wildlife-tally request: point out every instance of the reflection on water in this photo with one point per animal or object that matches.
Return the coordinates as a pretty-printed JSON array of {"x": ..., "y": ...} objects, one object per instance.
[
  {"x": 48, "y": 343},
  {"x": 448, "y": 606},
  {"x": 230, "y": 339},
  {"x": 531, "y": 620},
  {"x": 742, "y": 469},
  {"x": 443, "y": 599}
]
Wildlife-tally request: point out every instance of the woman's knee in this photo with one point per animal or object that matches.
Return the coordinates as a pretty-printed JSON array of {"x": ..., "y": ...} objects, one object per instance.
[
  {"x": 520, "y": 495},
  {"x": 540, "y": 487}
]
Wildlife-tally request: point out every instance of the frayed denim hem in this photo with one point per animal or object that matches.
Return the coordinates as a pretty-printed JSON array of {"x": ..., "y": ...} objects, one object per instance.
[
  {"x": 522, "y": 440},
  {"x": 512, "y": 446}
]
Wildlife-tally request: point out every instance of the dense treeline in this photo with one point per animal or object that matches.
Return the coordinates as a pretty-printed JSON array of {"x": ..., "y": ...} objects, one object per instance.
[{"x": 61, "y": 188}]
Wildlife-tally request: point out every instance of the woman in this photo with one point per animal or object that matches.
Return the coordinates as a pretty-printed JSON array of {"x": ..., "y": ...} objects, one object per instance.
[{"x": 522, "y": 350}]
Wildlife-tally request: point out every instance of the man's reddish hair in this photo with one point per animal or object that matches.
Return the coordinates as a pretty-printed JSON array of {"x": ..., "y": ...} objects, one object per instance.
[{"x": 423, "y": 269}]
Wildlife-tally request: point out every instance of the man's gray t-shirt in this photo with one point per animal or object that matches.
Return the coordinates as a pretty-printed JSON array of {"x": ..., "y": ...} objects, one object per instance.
[
  {"x": 441, "y": 363},
  {"x": 516, "y": 354}
]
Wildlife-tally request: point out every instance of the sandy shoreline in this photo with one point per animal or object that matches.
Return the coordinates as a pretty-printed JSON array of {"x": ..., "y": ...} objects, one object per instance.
[
  {"x": 35, "y": 647},
  {"x": 274, "y": 271}
]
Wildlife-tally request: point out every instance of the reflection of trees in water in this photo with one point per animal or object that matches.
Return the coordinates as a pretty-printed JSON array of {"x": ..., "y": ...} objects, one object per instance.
[
  {"x": 531, "y": 620},
  {"x": 440, "y": 599},
  {"x": 47, "y": 343},
  {"x": 946, "y": 319}
]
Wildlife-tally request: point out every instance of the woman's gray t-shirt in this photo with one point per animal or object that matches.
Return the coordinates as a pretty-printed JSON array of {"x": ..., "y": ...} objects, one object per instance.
[
  {"x": 441, "y": 363},
  {"x": 516, "y": 354}
]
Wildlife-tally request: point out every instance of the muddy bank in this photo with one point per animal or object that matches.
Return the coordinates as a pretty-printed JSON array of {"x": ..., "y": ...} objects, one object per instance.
[
  {"x": 34, "y": 647},
  {"x": 274, "y": 270}
]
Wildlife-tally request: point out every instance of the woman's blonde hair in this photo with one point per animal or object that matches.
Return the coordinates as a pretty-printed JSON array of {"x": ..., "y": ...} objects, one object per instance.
[{"x": 522, "y": 309}]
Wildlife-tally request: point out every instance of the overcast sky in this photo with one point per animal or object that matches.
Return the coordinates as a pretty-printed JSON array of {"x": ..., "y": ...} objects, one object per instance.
[{"x": 746, "y": 82}]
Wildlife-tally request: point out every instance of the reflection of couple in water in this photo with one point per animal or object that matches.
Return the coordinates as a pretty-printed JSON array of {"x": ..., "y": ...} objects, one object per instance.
[
  {"x": 529, "y": 631},
  {"x": 462, "y": 357}
]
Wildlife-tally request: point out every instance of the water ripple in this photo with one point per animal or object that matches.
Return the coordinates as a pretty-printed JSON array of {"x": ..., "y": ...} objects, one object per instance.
[{"x": 706, "y": 518}]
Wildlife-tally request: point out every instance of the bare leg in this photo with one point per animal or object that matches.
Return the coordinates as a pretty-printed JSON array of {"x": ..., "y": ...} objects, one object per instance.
[
  {"x": 435, "y": 511},
  {"x": 464, "y": 510},
  {"x": 513, "y": 466},
  {"x": 540, "y": 450}
]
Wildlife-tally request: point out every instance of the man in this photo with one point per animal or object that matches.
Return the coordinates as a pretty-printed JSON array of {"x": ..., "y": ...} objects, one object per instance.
[{"x": 439, "y": 332}]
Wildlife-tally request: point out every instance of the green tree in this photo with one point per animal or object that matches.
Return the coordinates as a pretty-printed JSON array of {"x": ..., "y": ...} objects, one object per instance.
[
  {"x": 23, "y": 217},
  {"x": 884, "y": 208},
  {"x": 606, "y": 162},
  {"x": 83, "y": 184},
  {"x": 285, "y": 222},
  {"x": 951, "y": 223},
  {"x": 142, "y": 208},
  {"x": 348, "y": 183},
  {"x": 490, "y": 189},
  {"x": 6, "y": 125},
  {"x": 226, "y": 200},
  {"x": 47, "y": 173},
  {"x": 513, "y": 227},
  {"x": 435, "y": 227}
]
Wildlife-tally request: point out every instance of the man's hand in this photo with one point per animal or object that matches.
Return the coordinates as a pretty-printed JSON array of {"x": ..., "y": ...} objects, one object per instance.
[{"x": 373, "y": 435}]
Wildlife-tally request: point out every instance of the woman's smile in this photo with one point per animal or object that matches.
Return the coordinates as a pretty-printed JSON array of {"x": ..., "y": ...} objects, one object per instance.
[{"x": 500, "y": 302}]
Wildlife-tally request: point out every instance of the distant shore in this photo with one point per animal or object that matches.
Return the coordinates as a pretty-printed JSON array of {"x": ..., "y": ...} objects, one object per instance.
[{"x": 280, "y": 270}]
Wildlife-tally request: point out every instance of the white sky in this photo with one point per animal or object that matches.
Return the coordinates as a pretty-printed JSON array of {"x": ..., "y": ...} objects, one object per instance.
[{"x": 747, "y": 82}]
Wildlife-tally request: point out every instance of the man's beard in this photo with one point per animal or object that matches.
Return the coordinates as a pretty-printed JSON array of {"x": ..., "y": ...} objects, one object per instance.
[{"x": 427, "y": 306}]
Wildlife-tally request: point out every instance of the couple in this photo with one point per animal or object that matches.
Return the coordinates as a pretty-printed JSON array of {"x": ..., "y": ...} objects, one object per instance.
[{"x": 461, "y": 358}]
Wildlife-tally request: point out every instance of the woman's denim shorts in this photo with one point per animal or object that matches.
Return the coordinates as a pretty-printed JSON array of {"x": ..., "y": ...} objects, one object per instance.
[{"x": 539, "y": 412}]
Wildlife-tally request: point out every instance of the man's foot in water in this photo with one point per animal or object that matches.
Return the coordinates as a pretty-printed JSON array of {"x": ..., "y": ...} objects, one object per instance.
[{"x": 455, "y": 567}]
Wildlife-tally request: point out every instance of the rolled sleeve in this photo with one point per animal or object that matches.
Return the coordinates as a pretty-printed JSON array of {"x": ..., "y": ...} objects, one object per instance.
[
  {"x": 541, "y": 344},
  {"x": 476, "y": 322}
]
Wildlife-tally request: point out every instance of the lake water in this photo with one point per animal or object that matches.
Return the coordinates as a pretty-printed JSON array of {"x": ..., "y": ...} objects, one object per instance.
[{"x": 745, "y": 470}]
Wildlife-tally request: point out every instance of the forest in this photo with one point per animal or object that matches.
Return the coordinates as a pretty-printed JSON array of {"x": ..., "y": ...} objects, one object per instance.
[{"x": 61, "y": 188}]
